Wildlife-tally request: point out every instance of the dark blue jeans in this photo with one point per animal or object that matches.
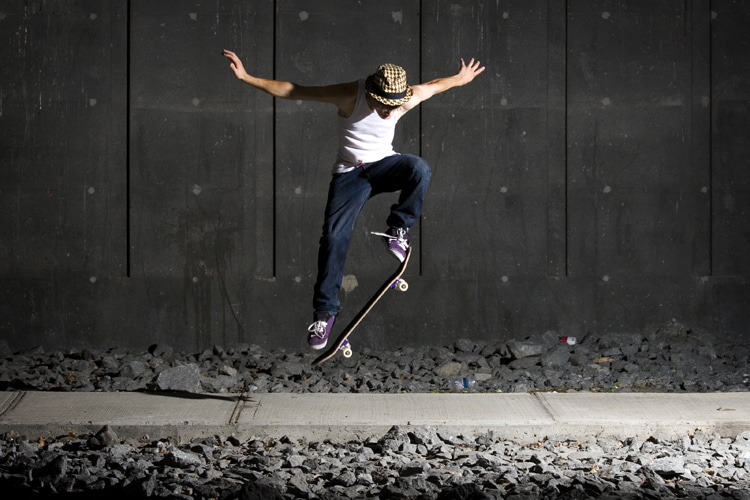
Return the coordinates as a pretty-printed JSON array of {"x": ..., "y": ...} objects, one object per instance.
[{"x": 347, "y": 195}]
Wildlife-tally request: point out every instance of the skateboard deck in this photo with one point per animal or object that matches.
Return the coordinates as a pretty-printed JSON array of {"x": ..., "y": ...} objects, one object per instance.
[{"x": 342, "y": 343}]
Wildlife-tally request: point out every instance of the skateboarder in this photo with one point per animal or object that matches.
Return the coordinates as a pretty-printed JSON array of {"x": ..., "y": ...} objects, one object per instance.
[{"x": 366, "y": 165}]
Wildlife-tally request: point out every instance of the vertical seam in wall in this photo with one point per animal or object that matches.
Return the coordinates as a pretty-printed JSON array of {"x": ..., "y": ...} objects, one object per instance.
[
  {"x": 274, "y": 161},
  {"x": 701, "y": 164},
  {"x": 128, "y": 263},
  {"x": 557, "y": 247},
  {"x": 710, "y": 187},
  {"x": 419, "y": 131},
  {"x": 565, "y": 267},
  {"x": 547, "y": 127}
]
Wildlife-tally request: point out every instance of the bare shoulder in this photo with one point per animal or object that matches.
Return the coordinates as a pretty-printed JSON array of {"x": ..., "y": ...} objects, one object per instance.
[
  {"x": 418, "y": 95},
  {"x": 342, "y": 95},
  {"x": 327, "y": 93},
  {"x": 346, "y": 97},
  {"x": 349, "y": 88}
]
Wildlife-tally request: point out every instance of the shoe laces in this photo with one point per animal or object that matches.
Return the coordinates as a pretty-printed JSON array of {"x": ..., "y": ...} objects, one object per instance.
[
  {"x": 318, "y": 328},
  {"x": 400, "y": 238},
  {"x": 400, "y": 235}
]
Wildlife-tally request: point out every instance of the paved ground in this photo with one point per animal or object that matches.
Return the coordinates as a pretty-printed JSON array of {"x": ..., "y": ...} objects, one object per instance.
[{"x": 523, "y": 418}]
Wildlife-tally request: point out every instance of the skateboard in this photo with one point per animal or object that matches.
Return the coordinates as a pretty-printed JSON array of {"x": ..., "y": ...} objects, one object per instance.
[{"x": 342, "y": 343}]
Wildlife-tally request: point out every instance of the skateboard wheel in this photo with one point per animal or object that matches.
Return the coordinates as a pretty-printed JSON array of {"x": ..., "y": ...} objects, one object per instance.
[
  {"x": 402, "y": 286},
  {"x": 346, "y": 349}
]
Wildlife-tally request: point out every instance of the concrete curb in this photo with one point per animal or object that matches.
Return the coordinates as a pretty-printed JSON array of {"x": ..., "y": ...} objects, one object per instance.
[{"x": 524, "y": 418}]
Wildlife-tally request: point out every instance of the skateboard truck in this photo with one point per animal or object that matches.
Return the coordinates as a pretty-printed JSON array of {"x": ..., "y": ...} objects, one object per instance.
[
  {"x": 346, "y": 349},
  {"x": 401, "y": 285}
]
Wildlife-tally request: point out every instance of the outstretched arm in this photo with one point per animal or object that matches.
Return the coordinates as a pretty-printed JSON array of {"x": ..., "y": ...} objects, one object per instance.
[
  {"x": 424, "y": 91},
  {"x": 276, "y": 88},
  {"x": 342, "y": 95}
]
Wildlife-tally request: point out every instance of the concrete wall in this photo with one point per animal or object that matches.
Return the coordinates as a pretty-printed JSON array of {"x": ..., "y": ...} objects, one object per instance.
[{"x": 594, "y": 178}]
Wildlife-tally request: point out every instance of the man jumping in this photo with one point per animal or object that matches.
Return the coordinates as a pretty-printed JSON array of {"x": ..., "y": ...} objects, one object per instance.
[{"x": 366, "y": 165}]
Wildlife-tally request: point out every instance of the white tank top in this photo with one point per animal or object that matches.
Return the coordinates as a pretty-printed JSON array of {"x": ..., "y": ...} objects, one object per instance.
[{"x": 364, "y": 137}]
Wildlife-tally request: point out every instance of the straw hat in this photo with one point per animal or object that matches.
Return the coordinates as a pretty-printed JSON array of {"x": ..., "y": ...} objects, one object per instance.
[{"x": 388, "y": 85}]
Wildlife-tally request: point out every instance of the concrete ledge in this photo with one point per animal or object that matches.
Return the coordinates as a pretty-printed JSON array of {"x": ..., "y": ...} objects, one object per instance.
[
  {"x": 359, "y": 416},
  {"x": 643, "y": 415},
  {"x": 523, "y": 418}
]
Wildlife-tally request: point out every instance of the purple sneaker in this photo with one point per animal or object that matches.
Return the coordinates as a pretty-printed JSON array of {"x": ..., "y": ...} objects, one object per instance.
[
  {"x": 397, "y": 242},
  {"x": 320, "y": 329}
]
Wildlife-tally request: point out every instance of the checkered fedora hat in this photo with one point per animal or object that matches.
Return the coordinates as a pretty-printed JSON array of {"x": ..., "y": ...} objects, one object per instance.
[{"x": 388, "y": 85}]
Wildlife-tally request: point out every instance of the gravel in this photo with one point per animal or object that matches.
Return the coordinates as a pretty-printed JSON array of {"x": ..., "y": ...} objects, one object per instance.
[
  {"x": 671, "y": 358},
  {"x": 421, "y": 462}
]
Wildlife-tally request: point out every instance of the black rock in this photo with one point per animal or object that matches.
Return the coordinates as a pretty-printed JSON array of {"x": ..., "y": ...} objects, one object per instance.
[
  {"x": 55, "y": 470},
  {"x": 259, "y": 491}
]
